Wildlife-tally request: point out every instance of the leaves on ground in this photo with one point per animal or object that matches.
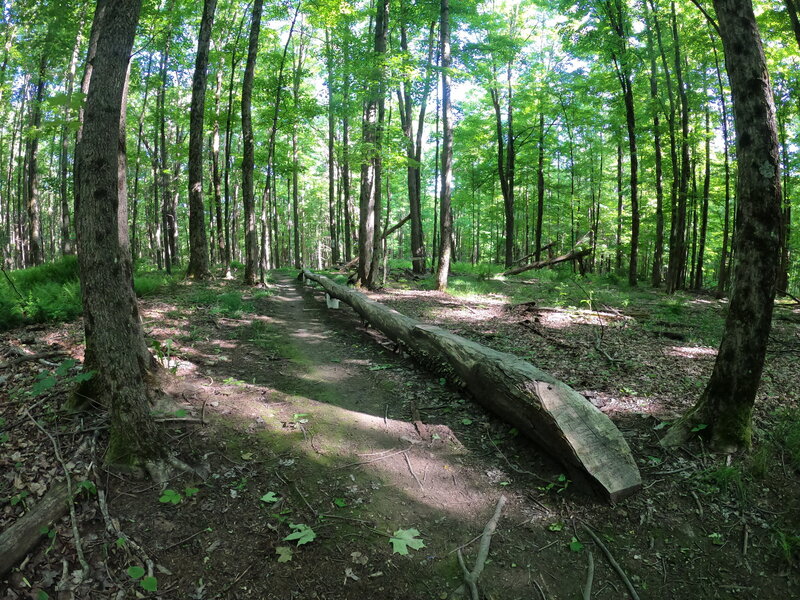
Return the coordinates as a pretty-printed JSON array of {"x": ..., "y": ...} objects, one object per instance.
[
  {"x": 269, "y": 497},
  {"x": 403, "y": 539},
  {"x": 302, "y": 533},
  {"x": 284, "y": 554}
]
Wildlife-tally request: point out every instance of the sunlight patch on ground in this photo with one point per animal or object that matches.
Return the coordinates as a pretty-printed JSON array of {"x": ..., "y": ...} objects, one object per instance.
[{"x": 690, "y": 352}]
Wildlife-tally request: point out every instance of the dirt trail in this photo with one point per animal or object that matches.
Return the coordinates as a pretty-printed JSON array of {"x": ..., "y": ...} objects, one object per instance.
[{"x": 306, "y": 403}]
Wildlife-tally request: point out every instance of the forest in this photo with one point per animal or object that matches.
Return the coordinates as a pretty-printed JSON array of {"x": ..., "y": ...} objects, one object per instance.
[{"x": 399, "y": 298}]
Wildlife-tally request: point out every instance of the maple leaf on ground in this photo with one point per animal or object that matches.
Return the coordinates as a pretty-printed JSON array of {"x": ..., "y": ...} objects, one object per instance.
[
  {"x": 302, "y": 533},
  {"x": 284, "y": 553},
  {"x": 403, "y": 539}
]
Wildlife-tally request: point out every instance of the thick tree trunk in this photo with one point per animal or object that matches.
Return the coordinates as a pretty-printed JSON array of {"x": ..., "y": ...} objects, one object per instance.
[
  {"x": 658, "y": 252},
  {"x": 198, "y": 242},
  {"x": 546, "y": 410},
  {"x": 36, "y": 250},
  {"x": 115, "y": 346},
  {"x": 701, "y": 245},
  {"x": 726, "y": 405},
  {"x": 446, "y": 215},
  {"x": 722, "y": 283},
  {"x": 248, "y": 153}
]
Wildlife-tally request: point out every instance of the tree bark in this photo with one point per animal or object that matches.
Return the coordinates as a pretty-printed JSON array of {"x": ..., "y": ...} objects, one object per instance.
[
  {"x": 726, "y": 405},
  {"x": 446, "y": 215},
  {"x": 115, "y": 346},
  {"x": 371, "y": 166},
  {"x": 248, "y": 153},
  {"x": 198, "y": 242}
]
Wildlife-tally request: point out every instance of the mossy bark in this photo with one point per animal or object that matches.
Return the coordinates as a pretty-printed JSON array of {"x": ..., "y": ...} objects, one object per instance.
[{"x": 726, "y": 405}]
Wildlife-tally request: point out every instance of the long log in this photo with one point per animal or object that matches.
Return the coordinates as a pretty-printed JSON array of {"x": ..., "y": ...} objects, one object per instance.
[
  {"x": 580, "y": 250},
  {"x": 547, "y": 411},
  {"x": 26, "y": 532}
]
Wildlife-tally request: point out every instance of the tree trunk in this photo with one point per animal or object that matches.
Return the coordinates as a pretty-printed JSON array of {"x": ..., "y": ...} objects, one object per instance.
[
  {"x": 248, "y": 153},
  {"x": 546, "y": 410},
  {"x": 36, "y": 251},
  {"x": 115, "y": 346},
  {"x": 446, "y": 216},
  {"x": 676, "y": 269},
  {"x": 722, "y": 283},
  {"x": 726, "y": 405},
  {"x": 198, "y": 242},
  {"x": 540, "y": 188},
  {"x": 372, "y": 138},
  {"x": 701, "y": 246}
]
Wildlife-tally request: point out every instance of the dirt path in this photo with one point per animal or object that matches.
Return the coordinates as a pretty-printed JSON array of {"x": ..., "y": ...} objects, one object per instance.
[{"x": 312, "y": 428}]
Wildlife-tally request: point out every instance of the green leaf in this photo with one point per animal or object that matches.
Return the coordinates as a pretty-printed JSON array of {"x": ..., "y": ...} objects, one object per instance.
[
  {"x": 302, "y": 533},
  {"x": 120, "y": 542},
  {"x": 270, "y": 497},
  {"x": 403, "y": 539},
  {"x": 81, "y": 377},
  {"x": 89, "y": 486},
  {"x": 557, "y": 526},
  {"x": 699, "y": 427},
  {"x": 284, "y": 554},
  {"x": 42, "y": 595},
  {"x": 191, "y": 491},
  {"x": 44, "y": 383},
  {"x": 170, "y": 497},
  {"x": 575, "y": 545},
  {"x": 247, "y": 456},
  {"x": 661, "y": 425},
  {"x": 135, "y": 572},
  {"x": 340, "y": 502},
  {"x": 65, "y": 366},
  {"x": 466, "y": 421},
  {"x": 149, "y": 584}
]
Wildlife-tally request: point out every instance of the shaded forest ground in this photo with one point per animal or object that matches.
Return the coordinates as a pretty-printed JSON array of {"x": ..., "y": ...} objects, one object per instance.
[{"x": 308, "y": 418}]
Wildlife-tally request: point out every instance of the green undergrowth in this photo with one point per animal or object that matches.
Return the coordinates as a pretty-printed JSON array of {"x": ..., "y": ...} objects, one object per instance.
[{"x": 50, "y": 293}]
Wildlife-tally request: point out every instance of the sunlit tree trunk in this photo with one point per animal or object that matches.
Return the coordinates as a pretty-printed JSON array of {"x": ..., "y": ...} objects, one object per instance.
[{"x": 446, "y": 216}]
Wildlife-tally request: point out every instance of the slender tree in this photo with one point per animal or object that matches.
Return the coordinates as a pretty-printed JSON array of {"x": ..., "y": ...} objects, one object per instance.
[
  {"x": 198, "y": 242},
  {"x": 248, "y": 155},
  {"x": 446, "y": 216}
]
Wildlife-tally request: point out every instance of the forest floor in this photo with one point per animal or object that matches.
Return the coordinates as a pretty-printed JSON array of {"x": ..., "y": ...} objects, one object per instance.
[{"x": 301, "y": 421}]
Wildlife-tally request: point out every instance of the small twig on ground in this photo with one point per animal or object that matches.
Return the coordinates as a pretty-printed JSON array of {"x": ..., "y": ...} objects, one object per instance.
[
  {"x": 112, "y": 526},
  {"x": 587, "y": 589},
  {"x": 203, "y": 412},
  {"x": 539, "y": 587},
  {"x": 410, "y": 468},
  {"x": 311, "y": 508},
  {"x": 471, "y": 577},
  {"x": 613, "y": 562},
  {"x": 744, "y": 540},
  {"x": 184, "y": 540},
  {"x": 462, "y": 546},
  {"x": 76, "y": 536},
  {"x": 513, "y": 466},
  {"x": 699, "y": 506},
  {"x": 372, "y": 460}
]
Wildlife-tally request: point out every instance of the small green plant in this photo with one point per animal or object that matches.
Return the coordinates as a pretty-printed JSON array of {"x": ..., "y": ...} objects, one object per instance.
[
  {"x": 302, "y": 533},
  {"x": 46, "y": 380},
  {"x": 559, "y": 485},
  {"x": 148, "y": 583},
  {"x": 269, "y": 498},
  {"x": 788, "y": 544},
  {"x": 173, "y": 497},
  {"x": 20, "y": 499},
  {"x": 575, "y": 545}
]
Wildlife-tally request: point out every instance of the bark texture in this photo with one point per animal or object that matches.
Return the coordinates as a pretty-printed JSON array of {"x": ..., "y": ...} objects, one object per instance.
[
  {"x": 198, "y": 242},
  {"x": 727, "y": 403},
  {"x": 115, "y": 346}
]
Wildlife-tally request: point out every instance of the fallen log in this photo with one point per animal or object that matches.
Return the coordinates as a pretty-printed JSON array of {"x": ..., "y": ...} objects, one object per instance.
[
  {"x": 580, "y": 250},
  {"x": 26, "y": 532},
  {"x": 547, "y": 411}
]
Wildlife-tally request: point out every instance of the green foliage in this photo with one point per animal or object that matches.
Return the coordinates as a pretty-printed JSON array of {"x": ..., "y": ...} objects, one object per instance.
[
  {"x": 786, "y": 435},
  {"x": 149, "y": 584},
  {"x": 154, "y": 282},
  {"x": 728, "y": 480},
  {"x": 229, "y": 304},
  {"x": 284, "y": 553},
  {"x": 45, "y": 380},
  {"x": 173, "y": 497},
  {"x": 303, "y": 534},
  {"x": 403, "y": 539}
]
